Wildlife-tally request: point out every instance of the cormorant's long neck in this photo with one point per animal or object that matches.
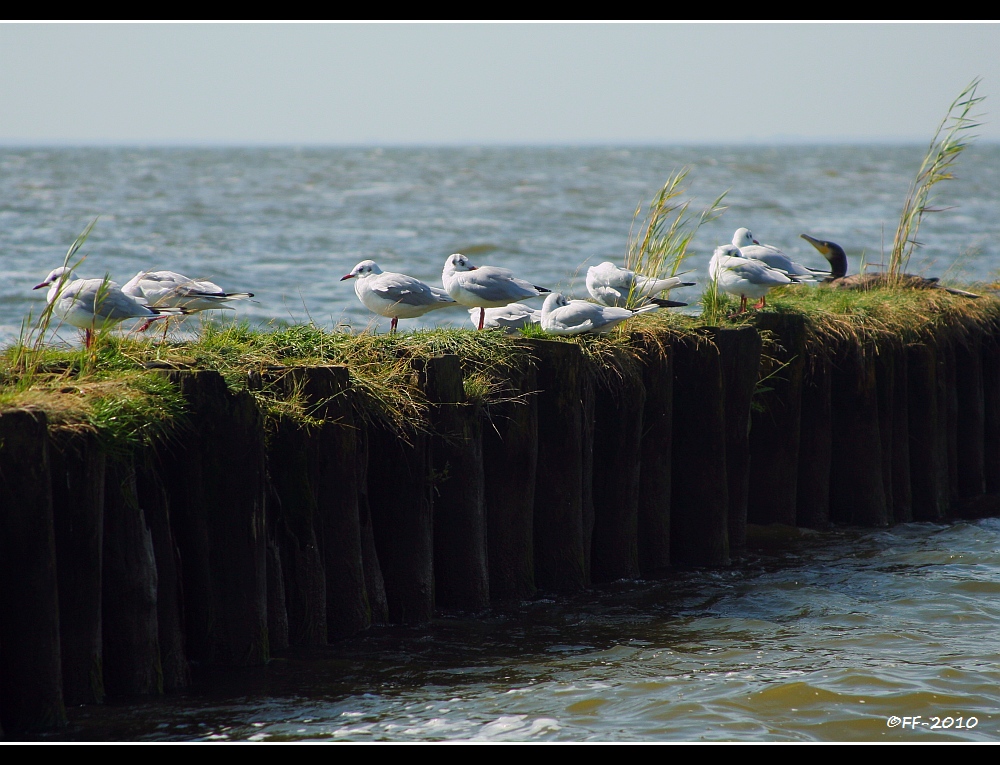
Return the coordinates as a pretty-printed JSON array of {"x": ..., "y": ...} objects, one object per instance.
[{"x": 838, "y": 261}]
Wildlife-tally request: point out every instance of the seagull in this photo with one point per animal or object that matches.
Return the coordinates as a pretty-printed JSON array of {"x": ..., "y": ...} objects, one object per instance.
[
  {"x": 612, "y": 286},
  {"x": 92, "y": 304},
  {"x": 484, "y": 287},
  {"x": 509, "y": 318},
  {"x": 174, "y": 290},
  {"x": 838, "y": 277},
  {"x": 772, "y": 256},
  {"x": 396, "y": 295},
  {"x": 744, "y": 277},
  {"x": 574, "y": 317}
]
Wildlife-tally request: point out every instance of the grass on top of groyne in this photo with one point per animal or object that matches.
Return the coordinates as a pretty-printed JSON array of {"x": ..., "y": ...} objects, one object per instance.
[{"x": 115, "y": 389}]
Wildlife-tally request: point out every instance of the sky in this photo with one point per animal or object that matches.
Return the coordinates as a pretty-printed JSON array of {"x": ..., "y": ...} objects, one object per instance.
[{"x": 489, "y": 83}]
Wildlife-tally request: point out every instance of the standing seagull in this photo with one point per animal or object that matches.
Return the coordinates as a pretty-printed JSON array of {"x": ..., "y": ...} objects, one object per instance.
[
  {"x": 484, "y": 287},
  {"x": 574, "y": 317},
  {"x": 173, "y": 290},
  {"x": 610, "y": 285},
  {"x": 744, "y": 277},
  {"x": 395, "y": 295},
  {"x": 92, "y": 304},
  {"x": 771, "y": 256}
]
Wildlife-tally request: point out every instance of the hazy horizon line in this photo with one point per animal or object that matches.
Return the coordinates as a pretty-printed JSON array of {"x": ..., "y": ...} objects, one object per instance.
[{"x": 15, "y": 143}]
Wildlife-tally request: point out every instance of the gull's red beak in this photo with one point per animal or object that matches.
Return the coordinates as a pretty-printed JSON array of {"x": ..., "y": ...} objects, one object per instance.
[
  {"x": 755, "y": 241},
  {"x": 349, "y": 276},
  {"x": 473, "y": 268},
  {"x": 39, "y": 286}
]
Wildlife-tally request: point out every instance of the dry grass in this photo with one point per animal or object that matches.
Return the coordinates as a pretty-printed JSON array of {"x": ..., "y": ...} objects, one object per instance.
[
  {"x": 949, "y": 141},
  {"x": 660, "y": 244},
  {"x": 112, "y": 391}
]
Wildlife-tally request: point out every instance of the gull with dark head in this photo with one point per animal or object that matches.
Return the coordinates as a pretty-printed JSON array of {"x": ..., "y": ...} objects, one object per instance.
[
  {"x": 484, "y": 287},
  {"x": 612, "y": 285},
  {"x": 93, "y": 304},
  {"x": 393, "y": 295}
]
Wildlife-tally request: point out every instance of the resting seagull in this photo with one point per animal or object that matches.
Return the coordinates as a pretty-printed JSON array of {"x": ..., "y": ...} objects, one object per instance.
[
  {"x": 173, "y": 290},
  {"x": 395, "y": 295},
  {"x": 744, "y": 277},
  {"x": 92, "y": 304},
  {"x": 771, "y": 256},
  {"x": 484, "y": 287},
  {"x": 612, "y": 286},
  {"x": 575, "y": 317},
  {"x": 508, "y": 318}
]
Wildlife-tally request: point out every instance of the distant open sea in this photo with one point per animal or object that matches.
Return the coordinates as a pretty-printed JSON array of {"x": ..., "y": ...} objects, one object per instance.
[
  {"x": 287, "y": 224},
  {"x": 846, "y": 635}
]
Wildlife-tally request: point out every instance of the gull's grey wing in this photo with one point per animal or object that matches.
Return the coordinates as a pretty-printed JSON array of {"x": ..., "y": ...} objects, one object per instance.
[
  {"x": 495, "y": 284},
  {"x": 400, "y": 288}
]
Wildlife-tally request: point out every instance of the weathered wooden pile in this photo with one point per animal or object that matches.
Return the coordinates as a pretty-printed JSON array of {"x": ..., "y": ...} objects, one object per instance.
[{"x": 120, "y": 572}]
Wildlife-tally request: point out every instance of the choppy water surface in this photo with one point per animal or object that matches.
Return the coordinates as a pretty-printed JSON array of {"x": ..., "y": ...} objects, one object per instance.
[
  {"x": 821, "y": 638},
  {"x": 287, "y": 224},
  {"x": 823, "y": 641}
]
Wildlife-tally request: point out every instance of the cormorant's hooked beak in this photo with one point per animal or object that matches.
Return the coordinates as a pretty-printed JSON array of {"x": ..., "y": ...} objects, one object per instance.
[
  {"x": 833, "y": 252},
  {"x": 819, "y": 244}
]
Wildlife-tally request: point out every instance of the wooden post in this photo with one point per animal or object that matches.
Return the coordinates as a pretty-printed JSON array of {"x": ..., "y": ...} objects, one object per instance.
[
  {"x": 374, "y": 581},
  {"x": 655, "y": 454},
  {"x": 400, "y": 496},
  {"x": 991, "y": 410},
  {"x": 30, "y": 669},
  {"x": 461, "y": 573},
  {"x": 857, "y": 491},
  {"x": 926, "y": 470},
  {"x": 558, "y": 517},
  {"x": 588, "y": 401},
  {"x": 775, "y": 428},
  {"x": 334, "y": 457},
  {"x": 295, "y": 511},
  {"x": 739, "y": 353},
  {"x": 510, "y": 459},
  {"x": 155, "y": 505},
  {"x": 699, "y": 502},
  {"x": 214, "y": 476},
  {"x": 815, "y": 444},
  {"x": 948, "y": 396},
  {"x": 902, "y": 498},
  {"x": 129, "y": 582},
  {"x": 77, "y": 467},
  {"x": 885, "y": 385},
  {"x": 615, "y": 464},
  {"x": 277, "y": 610},
  {"x": 970, "y": 423}
]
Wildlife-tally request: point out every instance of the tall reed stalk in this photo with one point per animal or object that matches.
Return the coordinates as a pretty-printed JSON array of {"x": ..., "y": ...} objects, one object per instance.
[
  {"x": 661, "y": 243},
  {"x": 950, "y": 140}
]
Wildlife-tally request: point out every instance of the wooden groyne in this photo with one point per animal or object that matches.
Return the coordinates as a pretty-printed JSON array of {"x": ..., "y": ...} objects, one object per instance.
[{"x": 242, "y": 534}]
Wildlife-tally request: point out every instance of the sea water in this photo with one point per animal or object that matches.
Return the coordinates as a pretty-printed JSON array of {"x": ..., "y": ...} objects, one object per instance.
[{"x": 843, "y": 635}]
